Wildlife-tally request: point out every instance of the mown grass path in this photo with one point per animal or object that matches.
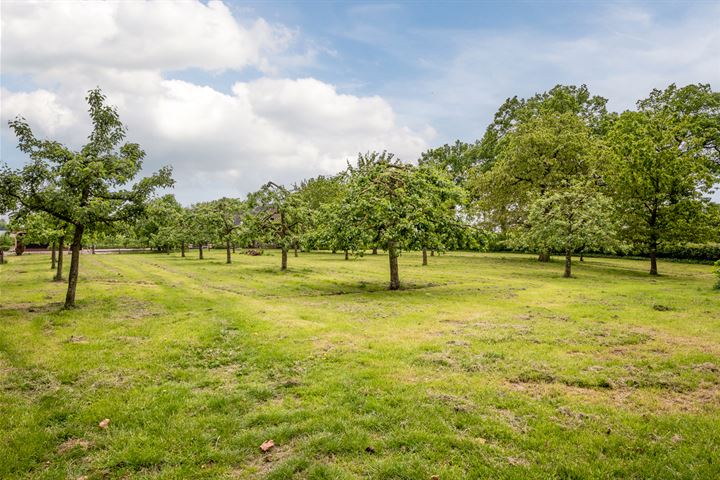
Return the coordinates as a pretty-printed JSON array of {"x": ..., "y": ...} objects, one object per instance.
[{"x": 485, "y": 366}]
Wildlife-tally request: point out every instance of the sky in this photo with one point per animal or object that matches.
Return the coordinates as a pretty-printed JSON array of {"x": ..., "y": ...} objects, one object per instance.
[{"x": 233, "y": 94}]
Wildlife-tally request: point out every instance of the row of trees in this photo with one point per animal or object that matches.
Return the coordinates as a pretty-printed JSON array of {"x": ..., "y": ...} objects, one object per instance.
[
  {"x": 559, "y": 173},
  {"x": 378, "y": 203},
  {"x": 555, "y": 173}
]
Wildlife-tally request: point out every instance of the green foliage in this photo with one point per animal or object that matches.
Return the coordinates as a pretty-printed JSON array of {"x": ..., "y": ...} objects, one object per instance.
[
  {"x": 706, "y": 253},
  {"x": 397, "y": 206},
  {"x": 438, "y": 225},
  {"x": 661, "y": 162},
  {"x": 40, "y": 228},
  {"x": 277, "y": 216},
  {"x": 321, "y": 190},
  {"x": 185, "y": 226},
  {"x": 200, "y": 224},
  {"x": 456, "y": 160},
  {"x": 561, "y": 99},
  {"x": 159, "y": 225},
  {"x": 6, "y": 242},
  {"x": 226, "y": 219},
  {"x": 406, "y": 205},
  {"x": 701, "y": 252},
  {"x": 321, "y": 196},
  {"x": 335, "y": 231},
  {"x": 227, "y": 215},
  {"x": 540, "y": 155},
  {"x": 218, "y": 221},
  {"x": 83, "y": 188},
  {"x": 693, "y": 114},
  {"x": 572, "y": 219}
]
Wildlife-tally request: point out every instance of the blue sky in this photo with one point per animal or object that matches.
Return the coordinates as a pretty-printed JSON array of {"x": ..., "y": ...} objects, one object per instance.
[{"x": 237, "y": 93}]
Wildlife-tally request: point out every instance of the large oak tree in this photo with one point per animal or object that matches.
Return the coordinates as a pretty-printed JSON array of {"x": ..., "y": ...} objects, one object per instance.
[
  {"x": 540, "y": 155},
  {"x": 662, "y": 163},
  {"x": 562, "y": 99}
]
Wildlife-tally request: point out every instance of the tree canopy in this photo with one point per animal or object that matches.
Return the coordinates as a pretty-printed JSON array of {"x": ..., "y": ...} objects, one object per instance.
[
  {"x": 397, "y": 205},
  {"x": 277, "y": 216},
  {"x": 569, "y": 220},
  {"x": 662, "y": 162},
  {"x": 93, "y": 186},
  {"x": 542, "y": 154}
]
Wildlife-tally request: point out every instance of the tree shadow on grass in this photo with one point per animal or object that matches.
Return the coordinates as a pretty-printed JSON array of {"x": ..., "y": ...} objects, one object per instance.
[
  {"x": 304, "y": 271},
  {"x": 354, "y": 287},
  {"x": 22, "y": 308}
]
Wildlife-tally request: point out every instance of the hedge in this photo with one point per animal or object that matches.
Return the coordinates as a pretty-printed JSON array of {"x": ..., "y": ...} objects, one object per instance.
[{"x": 696, "y": 252}]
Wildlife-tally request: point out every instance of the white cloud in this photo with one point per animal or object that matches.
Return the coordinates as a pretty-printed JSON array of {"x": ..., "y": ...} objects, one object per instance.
[
  {"x": 219, "y": 143},
  {"x": 153, "y": 35},
  {"x": 278, "y": 129},
  {"x": 228, "y": 142},
  {"x": 287, "y": 124},
  {"x": 42, "y": 109}
]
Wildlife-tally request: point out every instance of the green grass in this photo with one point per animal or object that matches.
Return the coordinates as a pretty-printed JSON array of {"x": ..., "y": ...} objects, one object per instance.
[{"x": 485, "y": 366}]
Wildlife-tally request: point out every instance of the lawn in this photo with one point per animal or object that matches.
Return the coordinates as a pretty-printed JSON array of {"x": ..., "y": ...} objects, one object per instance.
[{"x": 483, "y": 366}]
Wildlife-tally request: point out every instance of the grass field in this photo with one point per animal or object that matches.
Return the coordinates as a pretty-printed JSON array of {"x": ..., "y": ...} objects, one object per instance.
[{"x": 484, "y": 366}]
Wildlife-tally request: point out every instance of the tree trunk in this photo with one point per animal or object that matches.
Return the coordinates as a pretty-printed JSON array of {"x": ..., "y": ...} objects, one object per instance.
[
  {"x": 53, "y": 256},
  {"x": 653, "y": 240},
  {"x": 544, "y": 257},
  {"x": 296, "y": 253},
  {"x": 432, "y": 253},
  {"x": 200, "y": 250},
  {"x": 59, "y": 271},
  {"x": 653, "y": 259},
  {"x": 394, "y": 274},
  {"x": 582, "y": 257},
  {"x": 374, "y": 252},
  {"x": 92, "y": 247},
  {"x": 2, "y": 256},
  {"x": 74, "y": 266},
  {"x": 182, "y": 248},
  {"x": 227, "y": 251},
  {"x": 283, "y": 265},
  {"x": 233, "y": 245},
  {"x": 346, "y": 255},
  {"x": 424, "y": 250},
  {"x": 568, "y": 264}
]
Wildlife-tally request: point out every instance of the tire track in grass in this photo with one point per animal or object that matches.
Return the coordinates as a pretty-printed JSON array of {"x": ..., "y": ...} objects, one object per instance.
[
  {"x": 183, "y": 284},
  {"x": 141, "y": 273},
  {"x": 199, "y": 281},
  {"x": 357, "y": 290},
  {"x": 257, "y": 313},
  {"x": 284, "y": 314}
]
